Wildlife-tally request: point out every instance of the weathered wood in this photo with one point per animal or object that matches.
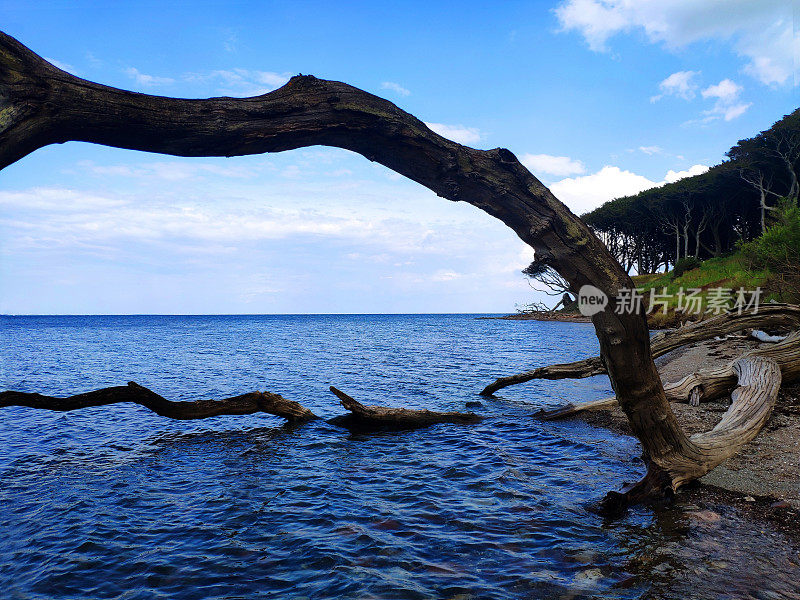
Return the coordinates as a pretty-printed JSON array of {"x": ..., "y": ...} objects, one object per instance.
[
  {"x": 41, "y": 105},
  {"x": 752, "y": 401},
  {"x": 707, "y": 384},
  {"x": 374, "y": 417},
  {"x": 759, "y": 381},
  {"x": 570, "y": 409},
  {"x": 710, "y": 384},
  {"x": 768, "y": 315},
  {"x": 577, "y": 370},
  {"x": 246, "y": 404}
]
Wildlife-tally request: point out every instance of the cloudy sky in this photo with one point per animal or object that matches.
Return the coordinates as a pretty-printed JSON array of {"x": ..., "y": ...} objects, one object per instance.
[{"x": 599, "y": 98}]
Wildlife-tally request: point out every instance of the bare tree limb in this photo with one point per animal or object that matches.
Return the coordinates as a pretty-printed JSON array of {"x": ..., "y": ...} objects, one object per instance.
[
  {"x": 245, "y": 404},
  {"x": 706, "y": 384}
]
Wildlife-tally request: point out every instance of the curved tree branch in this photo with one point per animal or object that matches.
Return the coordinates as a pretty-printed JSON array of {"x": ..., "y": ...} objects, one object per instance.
[
  {"x": 41, "y": 105},
  {"x": 245, "y": 404}
]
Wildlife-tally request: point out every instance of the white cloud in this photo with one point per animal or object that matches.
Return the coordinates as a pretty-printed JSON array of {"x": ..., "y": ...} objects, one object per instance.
[
  {"x": 596, "y": 20},
  {"x": 680, "y": 84},
  {"x": 147, "y": 80},
  {"x": 727, "y": 103},
  {"x": 169, "y": 170},
  {"x": 760, "y": 31},
  {"x": 229, "y": 82},
  {"x": 725, "y": 90},
  {"x": 58, "y": 218},
  {"x": 737, "y": 110},
  {"x": 673, "y": 176},
  {"x": 650, "y": 150},
  {"x": 240, "y": 82},
  {"x": 442, "y": 276},
  {"x": 56, "y": 199},
  {"x": 395, "y": 87},
  {"x": 559, "y": 166},
  {"x": 457, "y": 133},
  {"x": 582, "y": 194}
]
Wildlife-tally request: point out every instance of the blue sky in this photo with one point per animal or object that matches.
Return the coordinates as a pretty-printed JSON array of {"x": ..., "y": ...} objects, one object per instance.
[{"x": 599, "y": 98}]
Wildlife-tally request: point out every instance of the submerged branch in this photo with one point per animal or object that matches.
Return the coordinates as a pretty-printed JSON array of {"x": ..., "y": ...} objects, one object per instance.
[
  {"x": 361, "y": 417},
  {"x": 245, "y": 404},
  {"x": 372, "y": 417}
]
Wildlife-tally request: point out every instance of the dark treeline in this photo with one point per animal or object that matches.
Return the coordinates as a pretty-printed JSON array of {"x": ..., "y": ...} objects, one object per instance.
[{"x": 705, "y": 215}]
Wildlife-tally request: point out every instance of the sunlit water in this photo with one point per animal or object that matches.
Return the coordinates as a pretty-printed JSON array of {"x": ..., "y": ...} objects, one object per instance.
[{"x": 117, "y": 502}]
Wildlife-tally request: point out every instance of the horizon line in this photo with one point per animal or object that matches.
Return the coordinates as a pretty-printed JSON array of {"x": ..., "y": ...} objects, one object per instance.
[{"x": 244, "y": 314}]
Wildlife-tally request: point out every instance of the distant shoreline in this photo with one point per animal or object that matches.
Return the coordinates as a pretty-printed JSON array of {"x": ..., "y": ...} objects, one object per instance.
[{"x": 544, "y": 316}]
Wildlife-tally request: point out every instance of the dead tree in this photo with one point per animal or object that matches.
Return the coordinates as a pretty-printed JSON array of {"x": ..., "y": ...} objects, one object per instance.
[
  {"x": 764, "y": 186},
  {"x": 785, "y": 147},
  {"x": 371, "y": 417},
  {"x": 42, "y": 105},
  {"x": 706, "y": 384}
]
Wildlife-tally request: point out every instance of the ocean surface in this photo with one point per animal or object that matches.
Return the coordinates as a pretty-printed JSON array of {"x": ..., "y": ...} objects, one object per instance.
[{"x": 117, "y": 502}]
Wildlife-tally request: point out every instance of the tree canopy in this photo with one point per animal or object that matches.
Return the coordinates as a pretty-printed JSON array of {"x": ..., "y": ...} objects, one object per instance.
[{"x": 708, "y": 214}]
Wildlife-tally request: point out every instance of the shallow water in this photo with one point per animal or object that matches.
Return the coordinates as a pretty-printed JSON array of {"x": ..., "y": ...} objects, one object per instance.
[{"x": 116, "y": 502}]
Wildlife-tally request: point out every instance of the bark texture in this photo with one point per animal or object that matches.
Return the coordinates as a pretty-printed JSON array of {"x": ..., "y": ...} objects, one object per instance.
[
  {"x": 768, "y": 315},
  {"x": 374, "y": 417},
  {"x": 41, "y": 105},
  {"x": 246, "y": 404}
]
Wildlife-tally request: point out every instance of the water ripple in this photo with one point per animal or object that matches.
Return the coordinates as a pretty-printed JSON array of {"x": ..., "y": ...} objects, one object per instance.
[{"x": 116, "y": 502}]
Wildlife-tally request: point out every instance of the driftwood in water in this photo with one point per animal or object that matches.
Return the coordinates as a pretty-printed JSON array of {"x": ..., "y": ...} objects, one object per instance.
[
  {"x": 245, "y": 404},
  {"x": 768, "y": 315},
  {"x": 375, "y": 417},
  {"x": 361, "y": 417},
  {"x": 577, "y": 370},
  {"x": 41, "y": 105}
]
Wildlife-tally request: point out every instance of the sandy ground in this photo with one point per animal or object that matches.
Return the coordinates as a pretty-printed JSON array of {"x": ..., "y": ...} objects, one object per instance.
[{"x": 768, "y": 468}]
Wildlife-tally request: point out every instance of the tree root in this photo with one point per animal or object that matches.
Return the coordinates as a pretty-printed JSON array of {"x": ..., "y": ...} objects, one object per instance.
[
  {"x": 769, "y": 315},
  {"x": 654, "y": 488},
  {"x": 363, "y": 417}
]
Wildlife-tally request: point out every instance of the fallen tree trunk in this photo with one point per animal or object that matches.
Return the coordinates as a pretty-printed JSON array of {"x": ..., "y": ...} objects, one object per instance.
[
  {"x": 245, "y": 404},
  {"x": 768, "y": 315},
  {"x": 42, "y": 105},
  {"x": 372, "y": 417}
]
